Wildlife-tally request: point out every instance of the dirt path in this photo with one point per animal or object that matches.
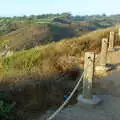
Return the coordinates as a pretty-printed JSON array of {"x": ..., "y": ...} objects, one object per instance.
[{"x": 109, "y": 109}]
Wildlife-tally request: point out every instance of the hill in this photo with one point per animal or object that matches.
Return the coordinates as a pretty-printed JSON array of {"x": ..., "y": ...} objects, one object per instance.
[
  {"x": 21, "y": 33},
  {"x": 31, "y": 35},
  {"x": 54, "y": 57}
]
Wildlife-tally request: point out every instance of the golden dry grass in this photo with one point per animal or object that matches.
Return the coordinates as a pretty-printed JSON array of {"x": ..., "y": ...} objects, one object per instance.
[{"x": 48, "y": 60}]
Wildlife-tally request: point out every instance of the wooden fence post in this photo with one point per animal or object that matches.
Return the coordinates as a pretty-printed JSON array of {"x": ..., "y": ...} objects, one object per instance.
[
  {"x": 118, "y": 37},
  {"x": 104, "y": 49},
  {"x": 88, "y": 76},
  {"x": 119, "y": 32},
  {"x": 103, "y": 66},
  {"x": 111, "y": 41},
  {"x": 89, "y": 66}
]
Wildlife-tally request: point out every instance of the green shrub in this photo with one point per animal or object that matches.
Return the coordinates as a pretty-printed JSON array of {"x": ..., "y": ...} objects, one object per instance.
[{"x": 6, "y": 108}]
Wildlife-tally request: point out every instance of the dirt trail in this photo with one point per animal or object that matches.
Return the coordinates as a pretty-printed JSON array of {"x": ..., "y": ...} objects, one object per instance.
[{"x": 109, "y": 109}]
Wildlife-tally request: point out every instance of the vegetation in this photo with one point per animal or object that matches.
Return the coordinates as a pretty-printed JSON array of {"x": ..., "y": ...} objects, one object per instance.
[
  {"x": 54, "y": 57},
  {"x": 6, "y": 107},
  {"x": 20, "y": 33}
]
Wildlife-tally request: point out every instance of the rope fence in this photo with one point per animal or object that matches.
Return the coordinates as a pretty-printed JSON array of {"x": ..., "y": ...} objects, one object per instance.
[
  {"x": 69, "y": 97},
  {"x": 107, "y": 45}
]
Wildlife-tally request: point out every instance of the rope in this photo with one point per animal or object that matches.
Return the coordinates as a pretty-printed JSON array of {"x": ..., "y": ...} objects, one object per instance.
[
  {"x": 69, "y": 97},
  {"x": 66, "y": 101}
]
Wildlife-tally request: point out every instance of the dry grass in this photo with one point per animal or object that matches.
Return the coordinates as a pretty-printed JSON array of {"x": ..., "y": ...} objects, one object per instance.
[
  {"x": 53, "y": 58},
  {"x": 45, "y": 63},
  {"x": 25, "y": 38},
  {"x": 34, "y": 93}
]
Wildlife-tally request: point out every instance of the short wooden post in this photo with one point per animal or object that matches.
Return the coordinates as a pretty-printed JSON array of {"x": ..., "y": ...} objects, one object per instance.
[
  {"x": 119, "y": 32},
  {"x": 88, "y": 76},
  {"x": 104, "y": 49},
  {"x": 118, "y": 37},
  {"x": 103, "y": 66},
  {"x": 111, "y": 41}
]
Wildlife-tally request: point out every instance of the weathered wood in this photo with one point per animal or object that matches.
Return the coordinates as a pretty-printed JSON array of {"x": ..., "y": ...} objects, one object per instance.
[
  {"x": 118, "y": 37},
  {"x": 111, "y": 41},
  {"x": 119, "y": 32},
  {"x": 89, "y": 73},
  {"x": 104, "y": 49}
]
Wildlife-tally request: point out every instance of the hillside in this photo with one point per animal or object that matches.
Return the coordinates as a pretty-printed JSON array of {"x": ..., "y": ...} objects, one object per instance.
[
  {"x": 26, "y": 37},
  {"x": 52, "y": 58},
  {"x": 21, "y": 33},
  {"x": 34, "y": 34}
]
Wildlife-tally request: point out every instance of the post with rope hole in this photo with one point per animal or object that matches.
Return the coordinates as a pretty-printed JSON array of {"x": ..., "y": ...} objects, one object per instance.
[
  {"x": 89, "y": 66},
  {"x": 88, "y": 76},
  {"x": 111, "y": 41}
]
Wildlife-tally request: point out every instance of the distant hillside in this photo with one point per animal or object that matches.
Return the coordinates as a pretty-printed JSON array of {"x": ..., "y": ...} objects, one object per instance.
[
  {"x": 20, "y": 33},
  {"x": 34, "y": 34},
  {"x": 24, "y": 38}
]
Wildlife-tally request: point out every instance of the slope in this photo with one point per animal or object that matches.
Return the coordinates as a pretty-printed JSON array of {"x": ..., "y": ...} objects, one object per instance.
[{"x": 54, "y": 57}]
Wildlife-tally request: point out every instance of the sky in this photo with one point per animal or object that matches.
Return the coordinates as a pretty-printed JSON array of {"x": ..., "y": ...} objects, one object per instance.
[{"x": 76, "y": 7}]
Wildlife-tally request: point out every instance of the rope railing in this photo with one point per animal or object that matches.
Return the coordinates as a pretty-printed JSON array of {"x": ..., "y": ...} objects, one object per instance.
[
  {"x": 67, "y": 100},
  {"x": 69, "y": 97}
]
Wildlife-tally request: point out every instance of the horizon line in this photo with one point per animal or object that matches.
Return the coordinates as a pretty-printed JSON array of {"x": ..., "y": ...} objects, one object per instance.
[{"x": 106, "y": 14}]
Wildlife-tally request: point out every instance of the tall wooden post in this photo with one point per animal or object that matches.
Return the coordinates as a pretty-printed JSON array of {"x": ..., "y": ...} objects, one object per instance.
[
  {"x": 104, "y": 49},
  {"x": 89, "y": 65},
  {"x": 88, "y": 74},
  {"x": 111, "y": 41}
]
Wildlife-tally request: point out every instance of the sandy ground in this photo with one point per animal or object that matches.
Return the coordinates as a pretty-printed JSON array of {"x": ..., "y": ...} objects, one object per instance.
[{"x": 109, "y": 109}]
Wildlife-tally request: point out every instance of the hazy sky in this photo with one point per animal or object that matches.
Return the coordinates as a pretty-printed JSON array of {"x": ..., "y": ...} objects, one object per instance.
[{"x": 81, "y": 7}]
